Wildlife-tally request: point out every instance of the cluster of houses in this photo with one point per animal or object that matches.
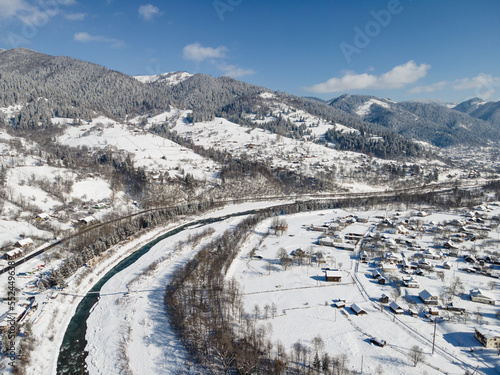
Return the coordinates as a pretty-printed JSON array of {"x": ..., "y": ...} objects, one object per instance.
[
  {"x": 400, "y": 233},
  {"x": 17, "y": 250}
]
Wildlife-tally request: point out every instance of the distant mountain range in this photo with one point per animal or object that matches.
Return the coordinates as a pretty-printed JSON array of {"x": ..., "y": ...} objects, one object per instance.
[
  {"x": 75, "y": 88},
  {"x": 431, "y": 122}
]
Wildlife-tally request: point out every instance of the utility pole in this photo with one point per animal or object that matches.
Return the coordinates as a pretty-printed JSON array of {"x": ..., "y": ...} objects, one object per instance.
[{"x": 434, "y": 337}]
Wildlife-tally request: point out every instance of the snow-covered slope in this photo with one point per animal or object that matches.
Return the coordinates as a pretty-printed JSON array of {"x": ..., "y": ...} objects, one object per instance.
[{"x": 172, "y": 78}]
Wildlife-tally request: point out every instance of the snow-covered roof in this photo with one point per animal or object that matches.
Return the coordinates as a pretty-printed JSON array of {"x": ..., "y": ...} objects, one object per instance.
[
  {"x": 358, "y": 309},
  {"x": 395, "y": 306},
  {"x": 488, "y": 331},
  {"x": 481, "y": 293},
  {"x": 24, "y": 242},
  {"x": 333, "y": 273}
]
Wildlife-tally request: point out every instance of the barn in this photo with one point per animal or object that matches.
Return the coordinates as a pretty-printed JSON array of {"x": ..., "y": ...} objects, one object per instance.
[{"x": 334, "y": 275}]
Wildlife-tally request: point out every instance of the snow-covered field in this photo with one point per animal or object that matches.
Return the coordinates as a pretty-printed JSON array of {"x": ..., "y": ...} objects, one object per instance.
[{"x": 152, "y": 152}]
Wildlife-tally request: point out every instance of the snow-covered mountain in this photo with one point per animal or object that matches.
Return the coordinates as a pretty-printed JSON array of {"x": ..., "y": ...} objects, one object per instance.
[
  {"x": 171, "y": 78},
  {"x": 478, "y": 108},
  {"x": 426, "y": 121},
  {"x": 73, "y": 88},
  {"x": 469, "y": 105}
]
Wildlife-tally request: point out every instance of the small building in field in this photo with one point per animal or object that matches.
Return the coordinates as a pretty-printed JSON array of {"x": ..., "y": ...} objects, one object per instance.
[
  {"x": 428, "y": 298},
  {"x": 333, "y": 275},
  {"x": 363, "y": 257},
  {"x": 376, "y": 274},
  {"x": 413, "y": 312},
  {"x": 396, "y": 309},
  {"x": 488, "y": 336},
  {"x": 358, "y": 310},
  {"x": 433, "y": 310},
  {"x": 24, "y": 242},
  {"x": 478, "y": 295},
  {"x": 340, "y": 303},
  {"x": 87, "y": 220},
  {"x": 384, "y": 298},
  {"x": 382, "y": 280},
  {"x": 42, "y": 217}
]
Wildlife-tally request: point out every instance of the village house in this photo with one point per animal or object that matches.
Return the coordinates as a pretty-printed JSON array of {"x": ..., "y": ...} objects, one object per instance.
[
  {"x": 411, "y": 283},
  {"x": 87, "y": 220},
  {"x": 25, "y": 242},
  {"x": 13, "y": 254},
  {"x": 396, "y": 309},
  {"x": 488, "y": 336},
  {"x": 340, "y": 303},
  {"x": 363, "y": 218},
  {"x": 355, "y": 232},
  {"x": 407, "y": 265},
  {"x": 384, "y": 298},
  {"x": 478, "y": 295},
  {"x": 433, "y": 311},
  {"x": 357, "y": 309},
  {"x": 428, "y": 298},
  {"x": 42, "y": 217},
  {"x": 425, "y": 264},
  {"x": 430, "y": 254},
  {"x": 388, "y": 266},
  {"x": 394, "y": 257},
  {"x": 450, "y": 245},
  {"x": 333, "y": 275}
]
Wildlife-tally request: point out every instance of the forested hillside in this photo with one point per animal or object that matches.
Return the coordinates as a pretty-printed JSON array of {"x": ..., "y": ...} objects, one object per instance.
[{"x": 49, "y": 86}]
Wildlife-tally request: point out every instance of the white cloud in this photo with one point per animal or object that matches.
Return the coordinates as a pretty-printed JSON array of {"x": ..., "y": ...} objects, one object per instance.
[
  {"x": 148, "y": 12},
  {"x": 87, "y": 38},
  {"x": 479, "y": 81},
  {"x": 485, "y": 85},
  {"x": 198, "y": 53},
  {"x": 11, "y": 8},
  {"x": 233, "y": 71},
  {"x": 397, "y": 77},
  {"x": 215, "y": 56},
  {"x": 36, "y": 13},
  {"x": 429, "y": 88},
  {"x": 75, "y": 16}
]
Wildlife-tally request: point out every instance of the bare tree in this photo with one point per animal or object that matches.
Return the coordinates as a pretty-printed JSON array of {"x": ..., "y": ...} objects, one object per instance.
[
  {"x": 273, "y": 310},
  {"x": 416, "y": 355},
  {"x": 266, "y": 311},
  {"x": 256, "y": 312},
  {"x": 318, "y": 343}
]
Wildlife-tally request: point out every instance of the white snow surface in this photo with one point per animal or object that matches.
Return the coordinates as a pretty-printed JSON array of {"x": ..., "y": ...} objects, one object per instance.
[
  {"x": 364, "y": 109},
  {"x": 172, "y": 78},
  {"x": 152, "y": 152}
]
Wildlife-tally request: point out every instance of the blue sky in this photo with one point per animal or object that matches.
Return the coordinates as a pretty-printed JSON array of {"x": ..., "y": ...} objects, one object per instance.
[{"x": 400, "y": 49}]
